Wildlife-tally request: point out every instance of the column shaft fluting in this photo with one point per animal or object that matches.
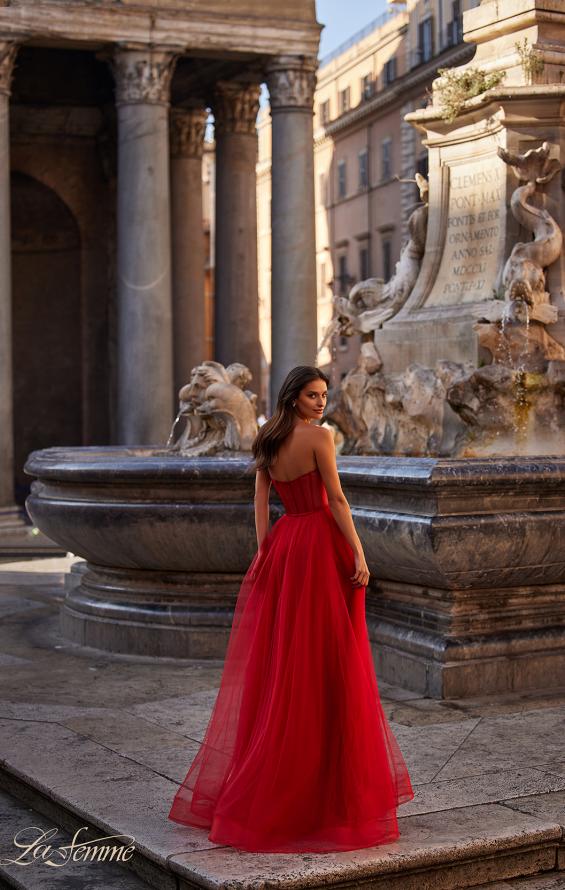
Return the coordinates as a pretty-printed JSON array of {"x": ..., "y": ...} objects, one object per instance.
[
  {"x": 291, "y": 83},
  {"x": 145, "y": 349},
  {"x": 7, "y": 56},
  {"x": 188, "y": 242},
  {"x": 236, "y": 295}
]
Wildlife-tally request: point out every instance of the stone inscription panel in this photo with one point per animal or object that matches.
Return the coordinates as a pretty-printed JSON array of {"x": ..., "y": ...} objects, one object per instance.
[{"x": 473, "y": 235}]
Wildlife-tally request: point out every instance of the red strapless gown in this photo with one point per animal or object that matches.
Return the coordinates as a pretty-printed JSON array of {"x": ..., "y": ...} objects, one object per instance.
[{"x": 298, "y": 755}]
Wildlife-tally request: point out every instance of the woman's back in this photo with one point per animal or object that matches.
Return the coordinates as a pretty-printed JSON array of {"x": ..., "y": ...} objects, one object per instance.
[{"x": 296, "y": 455}]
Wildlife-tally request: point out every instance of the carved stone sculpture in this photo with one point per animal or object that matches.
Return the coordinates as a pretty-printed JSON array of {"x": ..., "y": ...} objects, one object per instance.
[
  {"x": 523, "y": 277},
  {"x": 372, "y": 302},
  {"x": 220, "y": 413},
  {"x": 515, "y": 403},
  {"x": 403, "y": 414}
]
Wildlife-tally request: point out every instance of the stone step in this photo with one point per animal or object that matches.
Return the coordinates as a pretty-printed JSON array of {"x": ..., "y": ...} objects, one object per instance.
[
  {"x": 34, "y": 872},
  {"x": 550, "y": 881},
  {"x": 447, "y": 851}
]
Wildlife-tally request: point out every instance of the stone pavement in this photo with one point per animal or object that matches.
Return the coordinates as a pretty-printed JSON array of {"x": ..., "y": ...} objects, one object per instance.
[{"x": 101, "y": 742}]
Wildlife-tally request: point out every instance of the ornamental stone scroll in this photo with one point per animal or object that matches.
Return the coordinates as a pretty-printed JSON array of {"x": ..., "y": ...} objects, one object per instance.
[
  {"x": 291, "y": 81},
  {"x": 236, "y": 106},
  {"x": 188, "y": 126},
  {"x": 143, "y": 76}
]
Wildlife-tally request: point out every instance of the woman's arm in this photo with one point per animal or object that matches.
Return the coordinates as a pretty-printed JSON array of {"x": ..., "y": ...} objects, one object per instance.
[
  {"x": 324, "y": 450},
  {"x": 261, "y": 501}
]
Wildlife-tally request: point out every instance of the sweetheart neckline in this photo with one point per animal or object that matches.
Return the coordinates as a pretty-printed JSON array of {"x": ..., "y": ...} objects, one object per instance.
[{"x": 287, "y": 481}]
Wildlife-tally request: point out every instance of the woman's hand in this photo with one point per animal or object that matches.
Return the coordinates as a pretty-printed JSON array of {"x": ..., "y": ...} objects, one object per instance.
[{"x": 361, "y": 576}]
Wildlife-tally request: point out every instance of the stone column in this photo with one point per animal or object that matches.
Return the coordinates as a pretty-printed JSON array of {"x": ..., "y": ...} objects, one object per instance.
[
  {"x": 145, "y": 347},
  {"x": 291, "y": 81},
  {"x": 236, "y": 298},
  {"x": 188, "y": 247},
  {"x": 7, "y": 55}
]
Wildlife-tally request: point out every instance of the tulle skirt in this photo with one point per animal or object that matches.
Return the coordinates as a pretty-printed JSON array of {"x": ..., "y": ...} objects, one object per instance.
[{"x": 298, "y": 755}]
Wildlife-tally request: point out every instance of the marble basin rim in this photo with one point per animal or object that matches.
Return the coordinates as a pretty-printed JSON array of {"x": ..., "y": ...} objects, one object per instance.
[
  {"x": 131, "y": 507},
  {"x": 467, "y": 558},
  {"x": 137, "y": 508}
]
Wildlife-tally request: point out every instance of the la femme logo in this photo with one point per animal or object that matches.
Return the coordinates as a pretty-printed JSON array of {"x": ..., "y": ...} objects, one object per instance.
[{"x": 34, "y": 844}]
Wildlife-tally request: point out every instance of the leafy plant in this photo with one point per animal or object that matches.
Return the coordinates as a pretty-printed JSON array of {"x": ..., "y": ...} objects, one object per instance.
[
  {"x": 530, "y": 60},
  {"x": 455, "y": 87}
]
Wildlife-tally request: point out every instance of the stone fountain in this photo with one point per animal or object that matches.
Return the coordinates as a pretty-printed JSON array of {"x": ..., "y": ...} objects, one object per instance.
[{"x": 459, "y": 392}]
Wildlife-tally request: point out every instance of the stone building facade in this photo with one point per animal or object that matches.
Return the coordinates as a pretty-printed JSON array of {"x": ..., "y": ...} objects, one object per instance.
[
  {"x": 105, "y": 272},
  {"x": 362, "y": 148}
]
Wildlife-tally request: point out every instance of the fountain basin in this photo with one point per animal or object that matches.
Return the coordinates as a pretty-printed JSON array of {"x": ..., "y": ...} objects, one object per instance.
[
  {"x": 467, "y": 558},
  {"x": 166, "y": 541}
]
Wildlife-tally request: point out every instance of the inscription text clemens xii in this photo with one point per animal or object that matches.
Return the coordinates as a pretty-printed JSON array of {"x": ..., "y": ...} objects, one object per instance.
[{"x": 472, "y": 251}]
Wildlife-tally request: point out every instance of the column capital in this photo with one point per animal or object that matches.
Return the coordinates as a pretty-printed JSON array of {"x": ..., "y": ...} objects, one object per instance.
[
  {"x": 291, "y": 81},
  {"x": 143, "y": 75},
  {"x": 236, "y": 106},
  {"x": 8, "y": 52},
  {"x": 188, "y": 126}
]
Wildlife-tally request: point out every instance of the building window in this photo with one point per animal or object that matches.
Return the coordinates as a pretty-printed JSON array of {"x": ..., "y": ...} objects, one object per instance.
[
  {"x": 343, "y": 277},
  {"x": 426, "y": 39},
  {"x": 455, "y": 26},
  {"x": 389, "y": 71},
  {"x": 386, "y": 160},
  {"x": 344, "y": 100},
  {"x": 366, "y": 87},
  {"x": 387, "y": 258},
  {"x": 322, "y": 190},
  {"x": 363, "y": 169},
  {"x": 325, "y": 112},
  {"x": 364, "y": 264},
  {"x": 343, "y": 343},
  {"x": 341, "y": 179}
]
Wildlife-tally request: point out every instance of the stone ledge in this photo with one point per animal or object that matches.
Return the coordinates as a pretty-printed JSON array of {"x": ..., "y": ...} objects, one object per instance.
[
  {"x": 95, "y": 26},
  {"x": 446, "y": 851}
]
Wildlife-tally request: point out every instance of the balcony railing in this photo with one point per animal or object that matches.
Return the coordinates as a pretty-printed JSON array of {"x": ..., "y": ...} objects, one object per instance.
[{"x": 381, "y": 20}]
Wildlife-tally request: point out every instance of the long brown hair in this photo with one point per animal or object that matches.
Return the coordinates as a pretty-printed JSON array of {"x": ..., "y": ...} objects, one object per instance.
[{"x": 275, "y": 430}]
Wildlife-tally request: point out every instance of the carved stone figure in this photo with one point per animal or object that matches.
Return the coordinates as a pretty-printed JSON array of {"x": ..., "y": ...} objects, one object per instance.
[
  {"x": 516, "y": 402},
  {"x": 523, "y": 277},
  {"x": 404, "y": 413},
  {"x": 372, "y": 302},
  {"x": 220, "y": 413}
]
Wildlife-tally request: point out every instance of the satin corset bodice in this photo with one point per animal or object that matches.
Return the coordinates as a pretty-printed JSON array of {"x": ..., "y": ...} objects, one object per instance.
[{"x": 304, "y": 494}]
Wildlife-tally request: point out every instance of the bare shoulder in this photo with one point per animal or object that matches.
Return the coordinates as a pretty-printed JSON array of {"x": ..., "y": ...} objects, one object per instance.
[
  {"x": 322, "y": 440},
  {"x": 323, "y": 434},
  {"x": 325, "y": 455},
  {"x": 312, "y": 429}
]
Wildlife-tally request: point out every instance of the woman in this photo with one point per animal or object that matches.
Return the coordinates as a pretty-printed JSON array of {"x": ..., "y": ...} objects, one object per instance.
[{"x": 298, "y": 755}]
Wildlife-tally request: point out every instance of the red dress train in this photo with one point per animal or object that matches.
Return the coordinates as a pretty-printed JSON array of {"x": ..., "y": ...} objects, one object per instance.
[{"x": 298, "y": 755}]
